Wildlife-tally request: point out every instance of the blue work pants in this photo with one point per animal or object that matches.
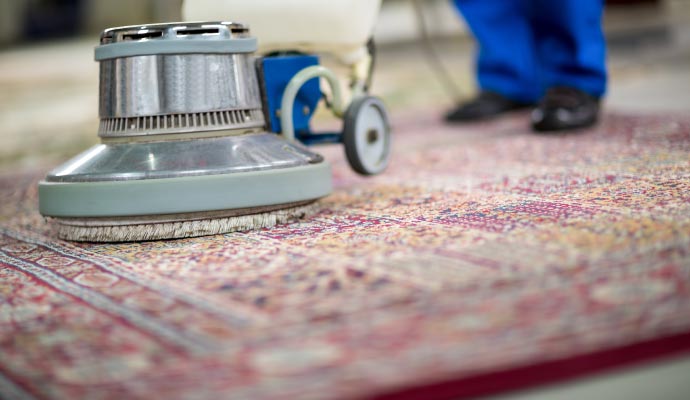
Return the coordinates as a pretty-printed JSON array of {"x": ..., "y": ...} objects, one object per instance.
[{"x": 527, "y": 46}]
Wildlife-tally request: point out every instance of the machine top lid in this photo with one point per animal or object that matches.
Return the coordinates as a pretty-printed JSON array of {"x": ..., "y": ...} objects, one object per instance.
[
  {"x": 214, "y": 30},
  {"x": 175, "y": 38}
]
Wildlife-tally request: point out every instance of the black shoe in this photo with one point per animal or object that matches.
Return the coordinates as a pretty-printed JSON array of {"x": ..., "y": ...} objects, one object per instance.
[
  {"x": 486, "y": 105},
  {"x": 564, "y": 108}
]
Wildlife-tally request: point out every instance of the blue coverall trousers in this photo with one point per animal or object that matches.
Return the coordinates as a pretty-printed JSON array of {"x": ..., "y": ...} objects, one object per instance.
[{"x": 527, "y": 46}]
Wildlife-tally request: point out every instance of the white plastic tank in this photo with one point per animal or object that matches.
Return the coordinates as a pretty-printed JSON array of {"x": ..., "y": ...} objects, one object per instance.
[{"x": 338, "y": 27}]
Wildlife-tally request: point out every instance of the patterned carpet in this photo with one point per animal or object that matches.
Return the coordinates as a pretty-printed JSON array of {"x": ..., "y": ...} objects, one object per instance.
[{"x": 485, "y": 254}]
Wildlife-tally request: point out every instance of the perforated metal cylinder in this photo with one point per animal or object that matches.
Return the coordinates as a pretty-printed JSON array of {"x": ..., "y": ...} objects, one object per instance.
[{"x": 177, "y": 78}]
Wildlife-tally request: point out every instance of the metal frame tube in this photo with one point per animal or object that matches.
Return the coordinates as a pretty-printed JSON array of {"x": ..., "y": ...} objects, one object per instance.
[{"x": 293, "y": 87}]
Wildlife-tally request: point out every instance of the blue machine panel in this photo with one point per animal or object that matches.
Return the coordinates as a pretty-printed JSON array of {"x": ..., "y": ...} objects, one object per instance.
[{"x": 275, "y": 74}]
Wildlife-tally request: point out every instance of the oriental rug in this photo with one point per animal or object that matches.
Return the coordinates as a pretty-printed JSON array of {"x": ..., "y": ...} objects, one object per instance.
[{"x": 486, "y": 258}]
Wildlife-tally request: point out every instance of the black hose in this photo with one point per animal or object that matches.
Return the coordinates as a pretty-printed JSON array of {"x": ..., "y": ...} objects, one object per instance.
[
  {"x": 434, "y": 59},
  {"x": 371, "y": 49}
]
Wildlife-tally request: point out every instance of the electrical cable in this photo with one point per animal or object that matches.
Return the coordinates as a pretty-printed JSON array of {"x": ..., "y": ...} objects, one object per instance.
[{"x": 434, "y": 59}]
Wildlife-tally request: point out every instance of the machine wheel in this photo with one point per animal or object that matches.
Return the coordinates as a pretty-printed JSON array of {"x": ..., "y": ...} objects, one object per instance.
[{"x": 366, "y": 135}]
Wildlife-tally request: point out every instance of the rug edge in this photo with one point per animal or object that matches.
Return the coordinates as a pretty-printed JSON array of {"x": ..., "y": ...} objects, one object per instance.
[{"x": 546, "y": 373}]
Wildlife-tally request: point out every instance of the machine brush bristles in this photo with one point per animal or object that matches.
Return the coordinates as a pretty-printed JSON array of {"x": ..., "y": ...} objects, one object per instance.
[{"x": 181, "y": 229}]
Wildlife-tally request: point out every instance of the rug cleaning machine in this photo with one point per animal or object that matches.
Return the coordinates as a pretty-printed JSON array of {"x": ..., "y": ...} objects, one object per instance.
[{"x": 199, "y": 136}]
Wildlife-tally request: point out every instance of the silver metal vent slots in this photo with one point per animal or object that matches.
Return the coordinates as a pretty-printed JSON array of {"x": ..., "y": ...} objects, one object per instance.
[{"x": 180, "y": 123}]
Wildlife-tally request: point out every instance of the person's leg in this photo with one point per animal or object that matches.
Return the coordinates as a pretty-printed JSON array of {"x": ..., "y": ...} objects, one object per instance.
[
  {"x": 506, "y": 62},
  {"x": 571, "y": 49},
  {"x": 570, "y": 44}
]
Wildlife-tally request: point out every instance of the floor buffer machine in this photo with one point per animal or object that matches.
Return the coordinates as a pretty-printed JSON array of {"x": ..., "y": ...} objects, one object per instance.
[{"x": 203, "y": 125}]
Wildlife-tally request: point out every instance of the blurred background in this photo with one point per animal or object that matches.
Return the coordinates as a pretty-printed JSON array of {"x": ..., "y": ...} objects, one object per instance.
[{"x": 49, "y": 81}]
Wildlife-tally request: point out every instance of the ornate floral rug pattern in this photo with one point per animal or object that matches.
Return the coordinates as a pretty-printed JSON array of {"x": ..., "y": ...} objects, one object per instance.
[{"x": 482, "y": 249}]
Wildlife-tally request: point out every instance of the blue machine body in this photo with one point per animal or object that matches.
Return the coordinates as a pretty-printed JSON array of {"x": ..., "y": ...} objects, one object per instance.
[{"x": 275, "y": 72}]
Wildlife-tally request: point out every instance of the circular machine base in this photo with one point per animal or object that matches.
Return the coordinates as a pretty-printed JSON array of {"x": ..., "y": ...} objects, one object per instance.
[
  {"x": 187, "y": 194},
  {"x": 166, "y": 208}
]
